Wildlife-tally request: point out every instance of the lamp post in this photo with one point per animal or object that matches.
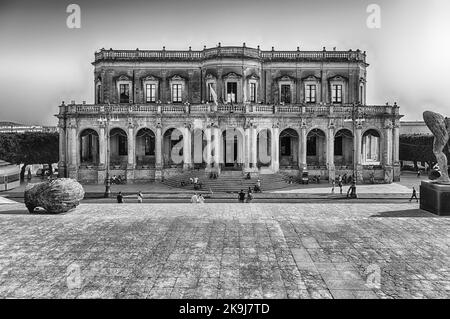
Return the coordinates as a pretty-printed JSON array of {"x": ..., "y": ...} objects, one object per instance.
[
  {"x": 106, "y": 120},
  {"x": 355, "y": 119}
]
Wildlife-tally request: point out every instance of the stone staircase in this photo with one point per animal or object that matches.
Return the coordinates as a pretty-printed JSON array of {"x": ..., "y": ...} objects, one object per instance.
[{"x": 227, "y": 182}]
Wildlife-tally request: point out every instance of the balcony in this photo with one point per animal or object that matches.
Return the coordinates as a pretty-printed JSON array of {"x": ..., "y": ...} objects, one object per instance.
[{"x": 292, "y": 110}]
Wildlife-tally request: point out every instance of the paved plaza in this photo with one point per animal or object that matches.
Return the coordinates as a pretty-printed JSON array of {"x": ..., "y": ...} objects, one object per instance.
[{"x": 225, "y": 251}]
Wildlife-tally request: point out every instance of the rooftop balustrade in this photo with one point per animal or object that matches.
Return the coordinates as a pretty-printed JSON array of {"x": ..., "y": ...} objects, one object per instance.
[{"x": 232, "y": 52}]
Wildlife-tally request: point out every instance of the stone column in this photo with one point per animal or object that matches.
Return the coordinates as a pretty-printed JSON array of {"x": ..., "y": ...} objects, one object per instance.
[
  {"x": 216, "y": 146},
  {"x": 388, "y": 169},
  {"x": 208, "y": 148},
  {"x": 275, "y": 148},
  {"x": 131, "y": 152},
  {"x": 158, "y": 152},
  {"x": 396, "y": 144},
  {"x": 396, "y": 152},
  {"x": 62, "y": 150},
  {"x": 246, "y": 148},
  {"x": 357, "y": 152},
  {"x": 131, "y": 147},
  {"x": 73, "y": 167},
  {"x": 102, "y": 147},
  {"x": 187, "y": 161},
  {"x": 254, "y": 147},
  {"x": 330, "y": 152},
  {"x": 302, "y": 163}
]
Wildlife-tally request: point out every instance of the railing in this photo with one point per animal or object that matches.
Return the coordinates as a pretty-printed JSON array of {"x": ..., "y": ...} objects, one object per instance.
[
  {"x": 229, "y": 52},
  {"x": 305, "y": 109}
]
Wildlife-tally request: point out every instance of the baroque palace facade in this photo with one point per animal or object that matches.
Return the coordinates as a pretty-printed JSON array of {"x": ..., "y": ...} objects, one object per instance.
[{"x": 160, "y": 113}]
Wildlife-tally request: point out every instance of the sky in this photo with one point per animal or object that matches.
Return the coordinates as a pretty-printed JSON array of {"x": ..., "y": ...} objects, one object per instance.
[{"x": 43, "y": 62}]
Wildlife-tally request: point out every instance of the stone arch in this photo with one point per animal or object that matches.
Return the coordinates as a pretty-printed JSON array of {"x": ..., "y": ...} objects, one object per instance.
[
  {"x": 289, "y": 148},
  {"x": 371, "y": 147},
  {"x": 118, "y": 147},
  {"x": 264, "y": 147},
  {"x": 172, "y": 147},
  {"x": 89, "y": 149},
  {"x": 316, "y": 148},
  {"x": 232, "y": 148},
  {"x": 343, "y": 147},
  {"x": 145, "y": 147}
]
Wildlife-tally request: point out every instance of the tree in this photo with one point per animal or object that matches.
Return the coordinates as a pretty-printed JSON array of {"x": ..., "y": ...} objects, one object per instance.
[
  {"x": 418, "y": 148},
  {"x": 29, "y": 148}
]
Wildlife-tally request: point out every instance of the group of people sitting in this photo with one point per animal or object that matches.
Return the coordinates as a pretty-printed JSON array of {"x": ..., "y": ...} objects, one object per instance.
[
  {"x": 197, "y": 199},
  {"x": 118, "y": 180},
  {"x": 245, "y": 198}
]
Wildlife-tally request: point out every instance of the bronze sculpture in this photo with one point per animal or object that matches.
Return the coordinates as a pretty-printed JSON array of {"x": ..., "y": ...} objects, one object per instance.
[{"x": 440, "y": 127}]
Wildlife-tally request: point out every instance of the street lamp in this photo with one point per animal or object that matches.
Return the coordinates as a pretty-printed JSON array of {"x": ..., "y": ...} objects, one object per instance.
[
  {"x": 356, "y": 118},
  {"x": 106, "y": 120}
]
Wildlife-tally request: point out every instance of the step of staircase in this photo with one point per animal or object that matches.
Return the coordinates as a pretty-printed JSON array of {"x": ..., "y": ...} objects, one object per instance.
[{"x": 228, "y": 181}]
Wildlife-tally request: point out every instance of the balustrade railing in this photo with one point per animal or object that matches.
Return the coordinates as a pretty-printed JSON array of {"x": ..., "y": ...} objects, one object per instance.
[
  {"x": 306, "y": 109},
  {"x": 228, "y": 51}
]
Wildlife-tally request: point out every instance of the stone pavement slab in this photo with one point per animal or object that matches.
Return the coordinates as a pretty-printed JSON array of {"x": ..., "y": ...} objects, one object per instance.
[{"x": 225, "y": 251}]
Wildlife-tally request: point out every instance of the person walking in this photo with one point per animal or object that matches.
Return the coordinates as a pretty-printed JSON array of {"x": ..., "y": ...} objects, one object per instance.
[
  {"x": 241, "y": 196},
  {"x": 340, "y": 185},
  {"x": 414, "y": 195},
  {"x": 120, "y": 198},
  {"x": 201, "y": 199},
  {"x": 333, "y": 184},
  {"x": 418, "y": 173},
  {"x": 140, "y": 197}
]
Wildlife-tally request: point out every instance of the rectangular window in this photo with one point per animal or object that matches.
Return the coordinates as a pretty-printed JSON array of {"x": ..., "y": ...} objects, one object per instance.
[
  {"x": 176, "y": 93},
  {"x": 231, "y": 91},
  {"x": 311, "y": 93},
  {"x": 253, "y": 92},
  {"x": 124, "y": 90},
  {"x": 285, "y": 93},
  {"x": 336, "y": 93},
  {"x": 150, "y": 93}
]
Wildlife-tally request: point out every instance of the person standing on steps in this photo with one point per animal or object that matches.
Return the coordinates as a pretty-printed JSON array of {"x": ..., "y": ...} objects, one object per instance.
[
  {"x": 241, "y": 196},
  {"x": 140, "y": 197},
  {"x": 120, "y": 198},
  {"x": 249, "y": 195}
]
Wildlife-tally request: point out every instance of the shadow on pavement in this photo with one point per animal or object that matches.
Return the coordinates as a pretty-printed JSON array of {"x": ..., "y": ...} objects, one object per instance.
[{"x": 409, "y": 213}]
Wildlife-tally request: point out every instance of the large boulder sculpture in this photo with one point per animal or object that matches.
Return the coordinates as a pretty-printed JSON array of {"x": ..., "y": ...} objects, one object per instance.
[{"x": 55, "y": 196}]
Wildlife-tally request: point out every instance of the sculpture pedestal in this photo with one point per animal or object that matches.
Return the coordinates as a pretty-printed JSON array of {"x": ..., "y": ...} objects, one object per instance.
[{"x": 435, "y": 198}]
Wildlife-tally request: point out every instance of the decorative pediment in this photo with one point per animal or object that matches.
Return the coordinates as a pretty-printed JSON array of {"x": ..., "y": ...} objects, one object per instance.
[
  {"x": 311, "y": 78},
  {"x": 338, "y": 78},
  {"x": 123, "y": 78},
  {"x": 286, "y": 78},
  {"x": 231, "y": 75},
  {"x": 253, "y": 77},
  {"x": 150, "y": 78},
  {"x": 176, "y": 77}
]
